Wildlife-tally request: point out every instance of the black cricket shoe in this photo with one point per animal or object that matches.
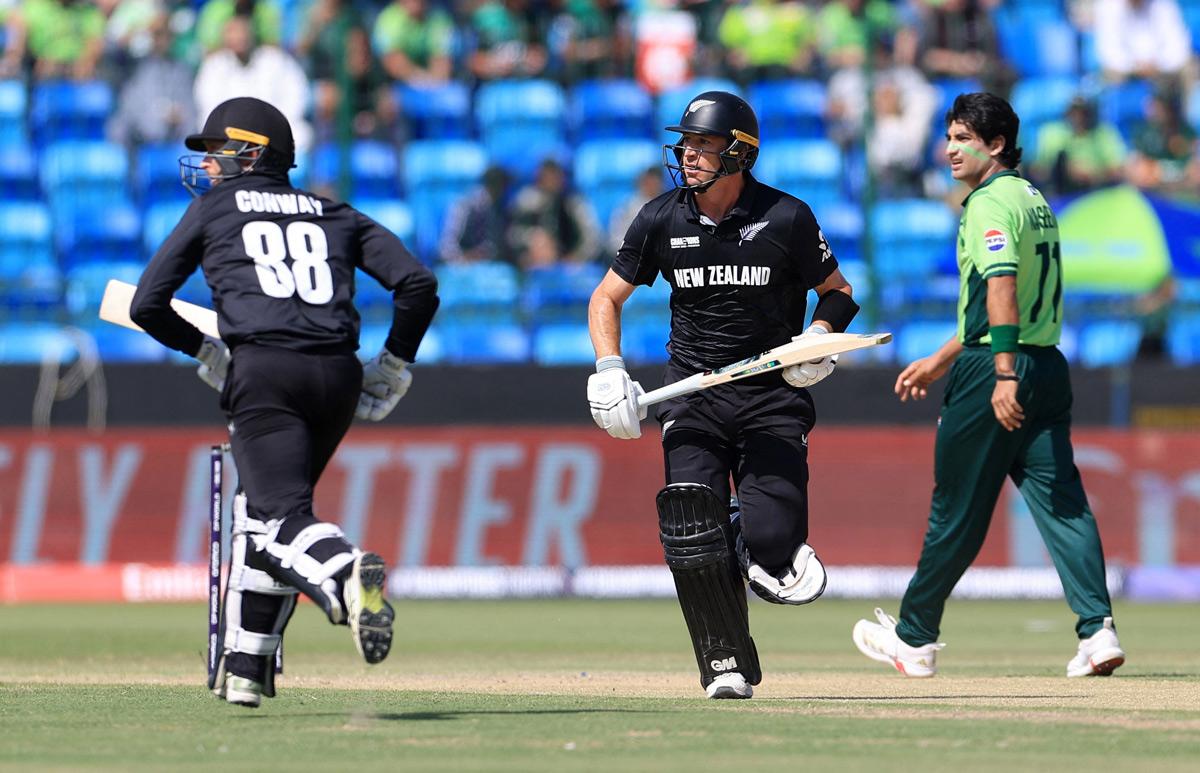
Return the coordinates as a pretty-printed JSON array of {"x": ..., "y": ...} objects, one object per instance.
[{"x": 368, "y": 611}]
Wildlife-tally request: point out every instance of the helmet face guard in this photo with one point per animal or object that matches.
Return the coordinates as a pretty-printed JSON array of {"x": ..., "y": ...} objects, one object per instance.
[
  {"x": 241, "y": 153},
  {"x": 716, "y": 114},
  {"x": 737, "y": 157}
]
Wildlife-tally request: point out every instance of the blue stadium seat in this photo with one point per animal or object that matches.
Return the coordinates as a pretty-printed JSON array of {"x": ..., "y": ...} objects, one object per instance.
[
  {"x": 789, "y": 108},
  {"x": 1038, "y": 42},
  {"x": 372, "y": 336},
  {"x": 648, "y": 306},
  {"x": 842, "y": 223},
  {"x": 64, "y": 110},
  {"x": 111, "y": 233},
  {"x": 563, "y": 343},
  {"x": 13, "y": 110},
  {"x": 645, "y": 343},
  {"x": 921, "y": 338},
  {"x": 372, "y": 171},
  {"x": 560, "y": 293},
  {"x": 521, "y": 123},
  {"x": 436, "y": 111},
  {"x": 613, "y": 108},
  {"x": 18, "y": 172},
  {"x": 1107, "y": 342},
  {"x": 479, "y": 292},
  {"x": 160, "y": 220},
  {"x": 673, "y": 102},
  {"x": 30, "y": 342},
  {"x": 607, "y": 170},
  {"x": 1040, "y": 99},
  {"x": 808, "y": 169},
  {"x": 374, "y": 302},
  {"x": 1124, "y": 105},
  {"x": 119, "y": 344},
  {"x": 156, "y": 175},
  {"x": 909, "y": 236},
  {"x": 85, "y": 286},
  {"x": 435, "y": 173},
  {"x": 84, "y": 173},
  {"x": 483, "y": 343},
  {"x": 195, "y": 290},
  {"x": 1183, "y": 338},
  {"x": 30, "y": 280},
  {"x": 392, "y": 214}
]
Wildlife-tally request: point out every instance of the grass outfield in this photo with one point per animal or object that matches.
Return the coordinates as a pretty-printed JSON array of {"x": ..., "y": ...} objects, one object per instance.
[{"x": 597, "y": 685}]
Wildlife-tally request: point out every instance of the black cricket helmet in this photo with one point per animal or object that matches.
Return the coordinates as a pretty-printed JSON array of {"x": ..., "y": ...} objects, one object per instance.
[
  {"x": 254, "y": 136},
  {"x": 720, "y": 114}
]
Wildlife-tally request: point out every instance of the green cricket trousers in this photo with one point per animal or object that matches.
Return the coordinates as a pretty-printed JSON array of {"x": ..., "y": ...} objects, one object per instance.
[{"x": 972, "y": 457}]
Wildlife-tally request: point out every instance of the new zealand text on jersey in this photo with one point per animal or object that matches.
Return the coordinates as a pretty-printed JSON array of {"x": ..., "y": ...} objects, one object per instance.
[{"x": 701, "y": 276}]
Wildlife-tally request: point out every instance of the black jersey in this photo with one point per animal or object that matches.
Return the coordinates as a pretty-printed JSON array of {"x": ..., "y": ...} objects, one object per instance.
[
  {"x": 280, "y": 262},
  {"x": 738, "y": 287}
]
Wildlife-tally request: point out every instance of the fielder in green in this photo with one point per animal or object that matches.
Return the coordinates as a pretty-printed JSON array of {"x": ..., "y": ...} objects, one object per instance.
[{"x": 1007, "y": 405}]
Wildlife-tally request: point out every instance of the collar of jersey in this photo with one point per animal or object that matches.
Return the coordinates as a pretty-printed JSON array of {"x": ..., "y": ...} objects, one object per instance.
[
  {"x": 989, "y": 181},
  {"x": 741, "y": 207}
]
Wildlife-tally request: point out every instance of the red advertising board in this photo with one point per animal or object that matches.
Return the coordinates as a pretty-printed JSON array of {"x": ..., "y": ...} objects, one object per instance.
[{"x": 536, "y": 496}]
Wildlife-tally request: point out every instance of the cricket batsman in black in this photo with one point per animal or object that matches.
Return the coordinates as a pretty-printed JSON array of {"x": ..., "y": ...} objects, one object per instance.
[
  {"x": 741, "y": 258},
  {"x": 280, "y": 262}
]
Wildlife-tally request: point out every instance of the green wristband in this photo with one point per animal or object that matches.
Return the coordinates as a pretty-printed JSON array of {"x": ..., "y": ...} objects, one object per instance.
[{"x": 1005, "y": 338}]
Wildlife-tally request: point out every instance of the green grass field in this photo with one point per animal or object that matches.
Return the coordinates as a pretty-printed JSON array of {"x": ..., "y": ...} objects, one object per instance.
[{"x": 597, "y": 685}]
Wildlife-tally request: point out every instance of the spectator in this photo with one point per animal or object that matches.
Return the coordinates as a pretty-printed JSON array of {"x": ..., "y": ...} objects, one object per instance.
[
  {"x": 846, "y": 97},
  {"x": 847, "y": 27},
  {"x": 476, "y": 228},
  {"x": 582, "y": 40},
  {"x": 507, "y": 46},
  {"x": 1164, "y": 147},
  {"x": 958, "y": 40},
  {"x": 764, "y": 39},
  {"x": 551, "y": 225},
  {"x": 64, "y": 38},
  {"x": 337, "y": 53},
  {"x": 1142, "y": 39},
  {"x": 898, "y": 137},
  {"x": 156, "y": 103},
  {"x": 649, "y": 185},
  {"x": 1154, "y": 312},
  {"x": 1079, "y": 152},
  {"x": 266, "y": 16},
  {"x": 129, "y": 30},
  {"x": 245, "y": 69},
  {"x": 414, "y": 41},
  {"x": 12, "y": 39}
]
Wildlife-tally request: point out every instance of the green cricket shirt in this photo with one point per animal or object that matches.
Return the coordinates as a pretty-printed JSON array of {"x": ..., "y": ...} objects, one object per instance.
[{"x": 1008, "y": 228}]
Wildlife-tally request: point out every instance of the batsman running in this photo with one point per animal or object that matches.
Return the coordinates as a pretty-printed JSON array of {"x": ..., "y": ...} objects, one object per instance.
[
  {"x": 280, "y": 262},
  {"x": 740, "y": 258},
  {"x": 1006, "y": 412}
]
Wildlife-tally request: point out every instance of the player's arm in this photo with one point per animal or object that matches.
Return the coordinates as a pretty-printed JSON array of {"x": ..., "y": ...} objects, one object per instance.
[
  {"x": 913, "y": 382},
  {"x": 835, "y": 305},
  {"x": 1004, "y": 320},
  {"x": 604, "y": 314},
  {"x": 175, "y": 261}
]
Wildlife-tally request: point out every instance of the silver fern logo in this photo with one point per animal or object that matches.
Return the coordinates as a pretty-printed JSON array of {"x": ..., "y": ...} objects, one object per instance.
[{"x": 748, "y": 232}]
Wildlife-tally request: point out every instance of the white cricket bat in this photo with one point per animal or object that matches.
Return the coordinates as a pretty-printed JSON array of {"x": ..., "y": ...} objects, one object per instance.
[
  {"x": 791, "y": 353},
  {"x": 118, "y": 295}
]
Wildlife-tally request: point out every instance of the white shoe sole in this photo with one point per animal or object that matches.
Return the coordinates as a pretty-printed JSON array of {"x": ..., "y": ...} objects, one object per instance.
[
  {"x": 1101, "y": 663},
  {"x": 723, "y": 688},
  {"x": 369, "y": 613}
]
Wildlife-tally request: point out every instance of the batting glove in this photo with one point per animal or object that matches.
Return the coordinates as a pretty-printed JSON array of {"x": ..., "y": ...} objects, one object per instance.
[
  {"x": 385, "y": 380},
  {"x": 808, "y": 373},
  {"x": 613, "y": 399},
  {"x": 214, "y": 362}
]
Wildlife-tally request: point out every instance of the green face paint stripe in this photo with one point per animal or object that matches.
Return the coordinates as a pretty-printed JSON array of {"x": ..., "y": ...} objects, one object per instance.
[{"x": 970, "y": 151}]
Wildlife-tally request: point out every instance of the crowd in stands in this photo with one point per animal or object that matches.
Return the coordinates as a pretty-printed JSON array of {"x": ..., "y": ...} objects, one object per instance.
[{"x": 527, "y": 132}]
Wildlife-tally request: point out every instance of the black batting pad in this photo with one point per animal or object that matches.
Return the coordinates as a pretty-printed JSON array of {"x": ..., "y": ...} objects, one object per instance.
[{"x": 694, "y": 530}]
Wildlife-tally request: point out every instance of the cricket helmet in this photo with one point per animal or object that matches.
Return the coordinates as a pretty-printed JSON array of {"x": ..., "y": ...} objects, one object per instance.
[
  {"x": 255, "y": 136},
  {"x": 720, "y": 114}
]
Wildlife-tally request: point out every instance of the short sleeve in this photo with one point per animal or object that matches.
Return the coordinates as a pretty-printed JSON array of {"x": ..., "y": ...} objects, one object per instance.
[
  {"x": 637, "y": 259},
  {"x": 811, "y": 249},
  {"x": 989, "y": 237}
]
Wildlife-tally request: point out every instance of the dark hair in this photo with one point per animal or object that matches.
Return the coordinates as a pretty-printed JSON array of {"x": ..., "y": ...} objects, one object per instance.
[{"x": 990, "y": 117}]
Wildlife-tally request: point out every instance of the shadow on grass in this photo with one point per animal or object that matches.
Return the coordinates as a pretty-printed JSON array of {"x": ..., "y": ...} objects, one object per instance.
[
  {"x": 417, "y": 716},
  {"x": 912, "y": 698}
]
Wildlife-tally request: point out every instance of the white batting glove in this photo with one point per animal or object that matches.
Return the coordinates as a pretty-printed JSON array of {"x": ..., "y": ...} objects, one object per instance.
[
  {"x": 385, "y": 380},
  {"x": 808, "y": 373},
  {"x": 612, "y": 396},
  {"x": 214, "y": 362}
]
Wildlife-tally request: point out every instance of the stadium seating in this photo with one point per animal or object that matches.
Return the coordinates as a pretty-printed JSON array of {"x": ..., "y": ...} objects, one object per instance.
[
  {"x": 108, "y": 234},
  {"x": 479, "y": 292},
  {"x": 367, "y": 169},
  {"x": 921, "y": 338},
  {"x": 30, "y": 280},
  {"x": 1108, "y": 342},
  {"x": 86, "y": 282},
  {"x": 156, "y": 175},
  {"x": 436, "y": 173},
  {"x": 520, "y": 124},
  {"x": 65, "y": 110},
  {"x": 1183, "y": 338},
  {"x": 616, "y": 108},
  {"x": 118, "y": 344},
  {"x": 909, "y": 235},
  {"x": 808, "y": 169},
  {"x": 393, "y": 214},
  {"x": 789, "y": 108},
  {"x": 645, "y": 343},
  {"x": 29, "y": 343},
  {"x": 606, "y": 171},
  {"x": 83, "y": 174},
  {"x": 160, "y": 219},
  {"x": 560, "y": 293},
  {"x": 1124, "y": 105},
  {"x": 563, "y": 343},
  {"x": 13, "y": 110},
  {"x": 483, "y": 343},
  {"x": 436, "y": 111}
]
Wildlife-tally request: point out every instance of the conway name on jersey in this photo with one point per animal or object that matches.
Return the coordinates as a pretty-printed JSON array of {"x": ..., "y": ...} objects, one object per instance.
[
  {"x": 1008, "y": 228},
  {"x": 739, "y": 287}
]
